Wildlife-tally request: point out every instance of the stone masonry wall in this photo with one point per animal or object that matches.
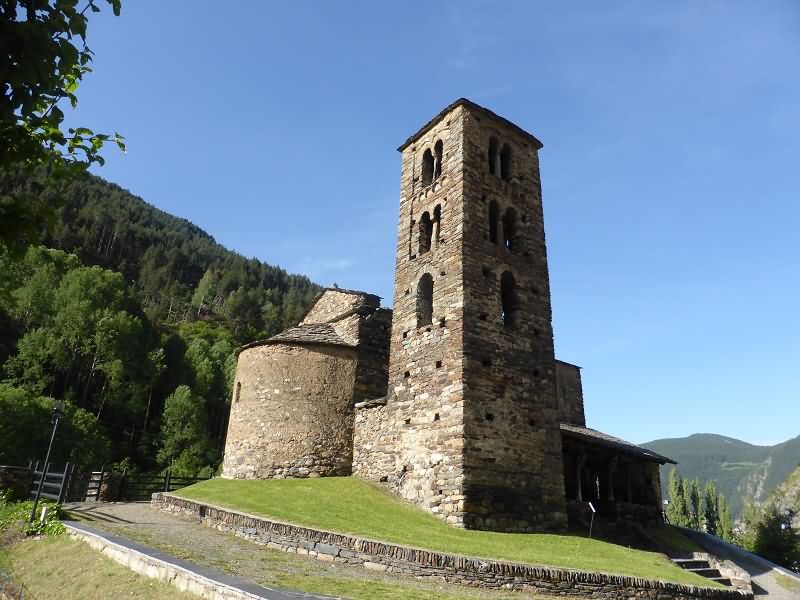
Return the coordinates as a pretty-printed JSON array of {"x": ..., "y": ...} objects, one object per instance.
[
  {"x": 374, "y": 331},
  {"x": 393, "y": 558},
  {"x": 425, "y": 392},
  {"x": 292, "y": 412},
  {"x": 374, "y": 440},
  {"x": 333, "y": 304},
  {"x": 569, "y": 393}
]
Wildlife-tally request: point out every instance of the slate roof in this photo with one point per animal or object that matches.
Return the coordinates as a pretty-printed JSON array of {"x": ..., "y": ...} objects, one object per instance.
[
  {"x": 603, "y": 439},
  {"x": 313, "y": 333},
  {"x": 473, "y": 106}
]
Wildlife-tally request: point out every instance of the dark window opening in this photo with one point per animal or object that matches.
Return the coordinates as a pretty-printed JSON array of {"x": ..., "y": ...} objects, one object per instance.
[
  {"x": 438, "y": 364},
  {"x": 407, "y": 374},
  {"x": 510, "y": 229},
  {"x": 505, "y": 163},
  {"x": 508, "y": 299},
  {"x": 437, "y": 224},
  {"x": 425, "y": 300},
  {"x": 493, "y": 156},
  {"x": 437, "y": 160},
  {"x": 427, "y": 167},
  {"x": 493, "y": 216},
  {"x": 408, "y": 422},
  {"x": 425, "y": 233},
  {"x": 489, "y": 417},
  {"x": 405, "y": 334},
  {"x": 436, "y": 418}
]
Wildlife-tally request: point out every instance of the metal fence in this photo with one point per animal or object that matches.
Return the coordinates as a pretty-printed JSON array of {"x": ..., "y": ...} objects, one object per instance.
[
  {"x": 55, "y": 484},
  {"x": 133, "y": 487}
]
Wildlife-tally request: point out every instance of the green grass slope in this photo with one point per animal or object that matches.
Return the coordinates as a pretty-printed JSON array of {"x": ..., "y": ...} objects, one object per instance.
[
  {"x": 349, "y": 505},
  {"x": 740, "y": 470}
]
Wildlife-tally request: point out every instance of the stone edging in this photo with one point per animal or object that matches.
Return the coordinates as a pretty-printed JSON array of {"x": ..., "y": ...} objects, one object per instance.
[
  {"x": 186, "y": 578},
  {"x": 381, "y": 556}
]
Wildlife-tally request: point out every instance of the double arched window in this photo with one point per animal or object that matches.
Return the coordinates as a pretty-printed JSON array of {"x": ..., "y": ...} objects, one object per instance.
[
  {"x": 432, "y": 163},
  {"x": 509, "y": 234},
  {"x": 429, "y": 229}
]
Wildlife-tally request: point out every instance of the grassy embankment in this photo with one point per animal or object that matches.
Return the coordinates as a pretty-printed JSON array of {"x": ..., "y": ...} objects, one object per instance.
[
  {"x": 349, "y": 505},
  {"x": 68, "y": 569}
]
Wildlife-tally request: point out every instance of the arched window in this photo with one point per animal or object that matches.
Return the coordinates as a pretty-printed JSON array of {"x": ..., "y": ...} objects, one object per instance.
[
  {"x": 510, "y": 229},
  {"x": 508, "y": 299},
  {"x": 427, "y": 167},
  {"x": 425, "y": 232},
  {"x": 438, "y": 149},
  {"x": 437, "y": 223},
  {"x": 505, "y": 163},
  {"x": 425, "y": 300},
  {"x": 493, "y": 156},
  {"x": 493, "y": 216}
]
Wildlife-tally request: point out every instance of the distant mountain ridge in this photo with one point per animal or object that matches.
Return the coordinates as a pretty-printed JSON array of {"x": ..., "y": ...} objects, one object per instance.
[{"x": 740, "y": 470}]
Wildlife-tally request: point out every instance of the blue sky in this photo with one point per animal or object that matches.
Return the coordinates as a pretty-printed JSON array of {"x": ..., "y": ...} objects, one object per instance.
[{"x": 670, "y": 167}]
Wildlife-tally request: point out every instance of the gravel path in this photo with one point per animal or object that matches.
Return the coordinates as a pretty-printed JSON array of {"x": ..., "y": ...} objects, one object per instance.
[{"x": 190, "y": 540}]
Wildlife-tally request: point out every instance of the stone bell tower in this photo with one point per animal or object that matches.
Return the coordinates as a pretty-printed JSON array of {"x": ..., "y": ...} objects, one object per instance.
[{"x": 471, "y": 373}]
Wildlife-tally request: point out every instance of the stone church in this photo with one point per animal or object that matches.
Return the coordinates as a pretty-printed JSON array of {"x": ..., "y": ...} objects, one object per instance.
[{"x": 454, "y": 398}]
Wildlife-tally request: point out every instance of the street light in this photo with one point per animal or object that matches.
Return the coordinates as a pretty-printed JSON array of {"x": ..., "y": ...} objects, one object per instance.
[{"x": 58, "y": 412}]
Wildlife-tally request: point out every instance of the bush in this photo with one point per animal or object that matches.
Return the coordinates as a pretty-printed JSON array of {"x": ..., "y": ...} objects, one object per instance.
[{"x": 14, "y": 517}]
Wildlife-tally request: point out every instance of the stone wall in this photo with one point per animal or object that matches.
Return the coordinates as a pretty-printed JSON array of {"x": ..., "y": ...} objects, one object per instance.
[
  {"x": 374, "y": 331},
  {"x": 425, "y": 399},
  {"x": 292, "y": 412},
  {"x": 380, "y": 556},
  {"x": 334, "y": 303},
  {"x": 513, "y": 475},
  {"x": 374, "y": 439},
  {"x": 569, "y": 394}
]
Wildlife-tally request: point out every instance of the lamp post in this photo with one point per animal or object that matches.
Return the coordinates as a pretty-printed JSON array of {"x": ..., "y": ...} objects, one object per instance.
[{"x": 58, "y": 412}]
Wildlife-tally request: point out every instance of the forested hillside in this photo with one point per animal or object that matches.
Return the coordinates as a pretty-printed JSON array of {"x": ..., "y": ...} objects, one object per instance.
[
  {"x": 131, "y": 315},
  {"x": 740, "y": 470}
]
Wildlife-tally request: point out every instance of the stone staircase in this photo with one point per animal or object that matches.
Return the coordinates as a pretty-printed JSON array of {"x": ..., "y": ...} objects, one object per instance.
[{"x": 703, "y": 568}]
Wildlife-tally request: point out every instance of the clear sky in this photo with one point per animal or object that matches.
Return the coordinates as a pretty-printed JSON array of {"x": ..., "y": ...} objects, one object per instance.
[{"x": 670, "y": 168}]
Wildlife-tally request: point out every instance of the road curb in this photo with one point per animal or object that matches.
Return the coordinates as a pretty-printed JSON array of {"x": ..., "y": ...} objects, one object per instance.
[{"x": 187, "y": 577}]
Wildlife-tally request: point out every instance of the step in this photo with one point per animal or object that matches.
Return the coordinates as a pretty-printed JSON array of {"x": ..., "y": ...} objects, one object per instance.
[
  {"x": 709, "y": 573},
  {"x": 691, "y": 563},
  {"x": 723, "y": 580}
]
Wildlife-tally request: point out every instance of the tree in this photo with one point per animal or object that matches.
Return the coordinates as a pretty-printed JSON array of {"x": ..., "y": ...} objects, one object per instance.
[
  {"x": 711, "y": 508},
  {"x": 678, "y": 510},
  {"x": 774, "y": 538},
  {"x": 725, "y": 520},
  {"x": 693, "y": 498},
  {"x": 184, "y": 441},
  {"x": 45, "y": 58}
]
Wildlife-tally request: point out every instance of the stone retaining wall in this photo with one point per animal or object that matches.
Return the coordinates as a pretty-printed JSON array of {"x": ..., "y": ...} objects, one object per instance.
[{"x": 380, "y": 556}]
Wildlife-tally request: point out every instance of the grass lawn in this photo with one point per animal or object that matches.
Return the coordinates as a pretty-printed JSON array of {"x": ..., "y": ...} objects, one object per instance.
[
  {"x": 673, "y": 538},
  {"x": 67, "y": 569},
  {"x": 352, "y": 506}
]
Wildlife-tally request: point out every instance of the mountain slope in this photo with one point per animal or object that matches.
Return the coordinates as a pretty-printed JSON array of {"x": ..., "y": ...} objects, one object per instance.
[
  {"x": 179, "y": 271},
  {"x": 740, "y": 470}
]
